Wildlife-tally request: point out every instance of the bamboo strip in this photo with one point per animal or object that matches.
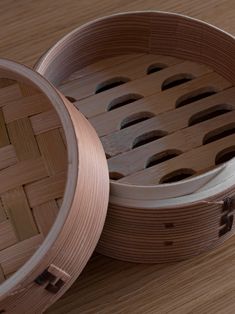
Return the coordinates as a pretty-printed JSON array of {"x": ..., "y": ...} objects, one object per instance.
[
  {"x": 18, "y": 211},
  {"x": 51, "y": 146},
  {"x": 46, "y": 189},
  {"x": 7, "y": 156},
  {"x": 45, "y": 215},
  {"x": 12, "y": 258},
  {"x": 9, "y": 93},
  {"x": 22, "y": 138},
  {"x": 45, "y": 121},
  {"x": 26, "y": 107},
  {"x": 7, "y": 235}
]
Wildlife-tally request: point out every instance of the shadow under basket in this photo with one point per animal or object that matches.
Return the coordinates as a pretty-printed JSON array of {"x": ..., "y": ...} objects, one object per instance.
[
  {"x": 159, "y": 90},
  {"x": 51, "y": 212}
]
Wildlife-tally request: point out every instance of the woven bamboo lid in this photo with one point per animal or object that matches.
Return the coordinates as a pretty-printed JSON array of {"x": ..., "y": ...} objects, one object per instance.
[
  {"x": 159, "y": 89},
  {"x": 53, "y": 191}
]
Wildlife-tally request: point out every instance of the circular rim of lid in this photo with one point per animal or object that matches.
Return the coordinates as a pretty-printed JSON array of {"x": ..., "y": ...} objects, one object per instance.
[
  {"x": 15, "y": 70},
  {"x": 152, "y": 195}
]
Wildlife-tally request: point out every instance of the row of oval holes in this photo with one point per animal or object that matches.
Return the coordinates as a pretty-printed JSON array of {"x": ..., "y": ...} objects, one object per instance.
[
  {"x": 182, "y": 101},
  {"x": 180, "y": 174},
  {"x": 223, "y": 156},
  {"x": 173, "y": 81},
  {"x": 169, "y": 83},
  {"x": 117, "y": 81}
]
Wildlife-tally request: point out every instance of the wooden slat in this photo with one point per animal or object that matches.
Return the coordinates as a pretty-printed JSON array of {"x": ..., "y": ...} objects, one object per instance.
[
  {"x": 7, "y": 235},
  {"x": 45, "y": 215},
  {"x": 200, "y": 159},
  {"x": 22, "y": 137},
  {"x": 132, "y": 69},
  {"x": 45, "y": 121},
  {"x": 4, "y": 140},
  {"x": 22, "y": 173},
  {"x": 7, "y": 156},
  {"x": 157, "y": 105},
  {"x": 25, "y": 107},
  {"x": 51, "y": 146},
  {"x": 184, "y": 140},
  {"x": 19, "y": 213},
  {"x": 15, "y": 256},
  {"x": 44, "y": 190},
  {"x": 121, "y": 142},
  {"x": 149, "y": 85}
]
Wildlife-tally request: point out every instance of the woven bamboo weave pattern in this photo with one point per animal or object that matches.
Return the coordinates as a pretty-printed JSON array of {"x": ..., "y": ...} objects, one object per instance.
[{"x": 33, "y": 164}]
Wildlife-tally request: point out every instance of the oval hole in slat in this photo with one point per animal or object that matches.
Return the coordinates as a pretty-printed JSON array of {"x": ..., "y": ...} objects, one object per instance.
[
  {"x": 225, "y": 155},
  {"x": 176, "y": 80},
  {"x": 194, "y": 96},
  {"x": 161, "y": 157},
  {"x": 219, "y": 133},
  {"x": 148, "y": 137},
  {"x": 156, "y": 67},
  {"x": 111, "y": 83},
  {"x": 209, "y": 113},
  {"x": 136, "y": 118},
  {"x": 115, "y": 175},
  {"x": 123, "y": 101},
  {"x": 177, "y": 175}
]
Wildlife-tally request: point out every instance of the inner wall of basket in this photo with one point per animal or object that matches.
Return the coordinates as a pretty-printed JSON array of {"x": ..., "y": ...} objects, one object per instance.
[
  {"x": 152, "y": 34},
  {"x": 33, "y": 167}
]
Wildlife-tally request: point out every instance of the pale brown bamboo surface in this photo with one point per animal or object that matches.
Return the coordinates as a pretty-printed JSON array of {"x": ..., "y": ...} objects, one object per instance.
[
  {"x": 205, "y": 284},
  {"x": 28, "y": 166}
]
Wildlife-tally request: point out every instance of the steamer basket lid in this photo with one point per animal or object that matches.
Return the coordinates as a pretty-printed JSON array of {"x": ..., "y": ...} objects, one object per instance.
[{"x": 54, "y": 189}]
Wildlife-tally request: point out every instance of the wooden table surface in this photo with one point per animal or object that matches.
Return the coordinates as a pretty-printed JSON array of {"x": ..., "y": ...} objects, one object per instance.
[{"x": 205, "y": 284}]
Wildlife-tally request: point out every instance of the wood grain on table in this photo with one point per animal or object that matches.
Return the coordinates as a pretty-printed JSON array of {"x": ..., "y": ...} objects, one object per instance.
[{"x": 205, "y": 284}]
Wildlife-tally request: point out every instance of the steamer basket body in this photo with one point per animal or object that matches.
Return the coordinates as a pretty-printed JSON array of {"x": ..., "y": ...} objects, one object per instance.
[{"x": 159, "y": 90}]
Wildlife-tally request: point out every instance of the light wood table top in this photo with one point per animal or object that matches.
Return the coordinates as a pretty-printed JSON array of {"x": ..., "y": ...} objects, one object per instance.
[{"x": 205, "y": 284}]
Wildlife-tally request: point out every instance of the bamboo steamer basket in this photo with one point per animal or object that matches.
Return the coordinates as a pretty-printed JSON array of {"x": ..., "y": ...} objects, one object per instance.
[
  {"x": 54, "y": 188},
  {"x": 159, "y": 90}
]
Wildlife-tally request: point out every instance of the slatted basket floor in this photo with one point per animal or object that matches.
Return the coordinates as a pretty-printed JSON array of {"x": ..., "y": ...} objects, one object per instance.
[
  {"x": 33, "y": 166},
  {"x": 161, "y": 119}
]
